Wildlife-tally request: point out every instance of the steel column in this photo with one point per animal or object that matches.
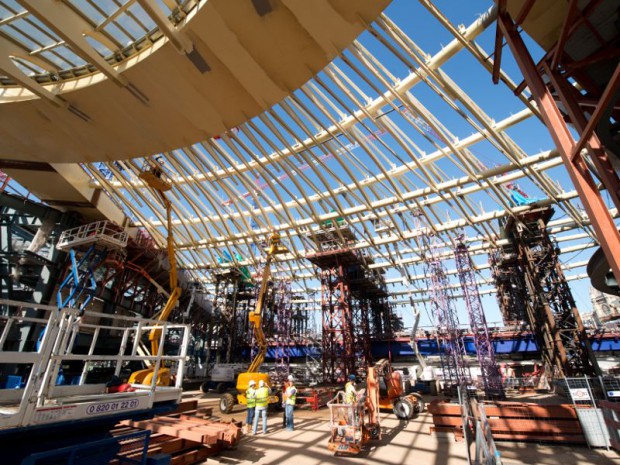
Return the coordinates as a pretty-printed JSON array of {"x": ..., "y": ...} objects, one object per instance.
[{"x": 597, "y": 210}]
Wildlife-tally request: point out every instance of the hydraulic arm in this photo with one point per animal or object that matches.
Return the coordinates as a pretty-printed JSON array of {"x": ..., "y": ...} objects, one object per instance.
[
  {"x": 255, "y": 316},
  {"x": 154, "y": 180}
]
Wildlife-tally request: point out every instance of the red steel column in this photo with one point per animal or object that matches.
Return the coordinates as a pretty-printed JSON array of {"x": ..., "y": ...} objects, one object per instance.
[{"x": 597, "y": 211}]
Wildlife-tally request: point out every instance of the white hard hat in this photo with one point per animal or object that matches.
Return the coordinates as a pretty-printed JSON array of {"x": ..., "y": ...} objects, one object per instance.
[
  {"x": 290, "y": 377},
  {"x": 252, "y": 382},
  {"x": 261, "y": 383}
]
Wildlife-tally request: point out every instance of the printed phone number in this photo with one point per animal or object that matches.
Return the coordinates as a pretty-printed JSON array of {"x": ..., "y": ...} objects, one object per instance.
[{"x": 112, "y": 406}]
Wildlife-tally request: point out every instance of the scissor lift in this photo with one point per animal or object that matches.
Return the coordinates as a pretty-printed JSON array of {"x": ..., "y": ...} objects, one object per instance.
[{"x": 41, "y": 401}]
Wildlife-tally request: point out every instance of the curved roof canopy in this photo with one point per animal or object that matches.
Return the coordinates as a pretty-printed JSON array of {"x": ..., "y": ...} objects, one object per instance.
[
  {"x": 399, "y": 134},
  {"x": 113, "y": 80}
]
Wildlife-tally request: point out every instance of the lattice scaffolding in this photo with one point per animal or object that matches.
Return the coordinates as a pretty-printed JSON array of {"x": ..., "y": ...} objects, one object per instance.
[
  {"x": 455, "y": 370},
  {"x": 337, "y": 338},
  {"x": 550, "y": 305},
  {"x": 510, "y": 285},
  {"x": 282, "y": 309},
  {"x": 491, "y": 377},
  {"x": 348, "y": 286}
]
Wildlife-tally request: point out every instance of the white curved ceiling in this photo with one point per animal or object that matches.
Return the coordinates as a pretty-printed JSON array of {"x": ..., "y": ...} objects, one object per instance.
[{"x": 101, "y": 81}]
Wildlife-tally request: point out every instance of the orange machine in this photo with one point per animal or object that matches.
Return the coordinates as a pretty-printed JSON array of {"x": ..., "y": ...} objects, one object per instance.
[
  {"x": 352, "y": 425},
  {"x": 392, "y": 395}
]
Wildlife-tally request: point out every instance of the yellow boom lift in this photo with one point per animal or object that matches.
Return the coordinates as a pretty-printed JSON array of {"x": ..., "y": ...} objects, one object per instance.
[
  {"x": 153, "y": 178},
  {"x": 227, "y": 401}
]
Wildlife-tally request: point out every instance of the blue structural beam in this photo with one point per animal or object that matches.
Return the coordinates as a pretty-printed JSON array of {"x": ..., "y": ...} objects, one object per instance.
[{"x": 518, "y": 344}]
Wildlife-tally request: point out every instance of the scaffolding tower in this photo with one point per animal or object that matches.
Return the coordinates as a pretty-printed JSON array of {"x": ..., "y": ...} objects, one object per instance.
[
  {"x": 510, "y": 284},
  {"x": 282, "y": 309},
  {"x": 352, "y": 295},
  {"x": 550, "y": 307},
  {"x": 491, "y": 377},
  {"x": 455, "y": 370},
  {"x": 229, "y": 324}
]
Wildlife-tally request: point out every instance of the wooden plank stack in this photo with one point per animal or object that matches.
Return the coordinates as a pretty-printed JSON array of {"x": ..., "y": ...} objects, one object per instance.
[
  {"x": 516, "y": 421},
  {"x": 186, "y": 434}
]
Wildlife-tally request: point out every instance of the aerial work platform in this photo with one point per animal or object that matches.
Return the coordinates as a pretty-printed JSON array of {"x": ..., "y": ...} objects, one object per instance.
[{"x": 57, "y": 386}]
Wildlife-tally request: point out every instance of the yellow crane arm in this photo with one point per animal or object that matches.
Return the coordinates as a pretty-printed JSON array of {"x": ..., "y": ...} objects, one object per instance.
[
  {"x": 175, "y": 290},
  {"x": 255, "y": 316}
]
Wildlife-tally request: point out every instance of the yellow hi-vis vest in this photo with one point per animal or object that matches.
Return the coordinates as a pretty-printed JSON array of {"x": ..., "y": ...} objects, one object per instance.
[
  {"x": 250, "y": 397},
  {"x": 262, "y": 397},
  {"x": 291, "y": 394},
  {"x": 349, "y": 393}
]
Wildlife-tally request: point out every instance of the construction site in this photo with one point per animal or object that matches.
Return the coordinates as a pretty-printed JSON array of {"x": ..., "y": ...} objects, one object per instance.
[{"x": 309, "y": 232}]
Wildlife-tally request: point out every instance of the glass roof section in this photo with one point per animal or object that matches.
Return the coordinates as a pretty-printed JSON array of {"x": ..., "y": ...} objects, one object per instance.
[{"x": 115, "y": 29}]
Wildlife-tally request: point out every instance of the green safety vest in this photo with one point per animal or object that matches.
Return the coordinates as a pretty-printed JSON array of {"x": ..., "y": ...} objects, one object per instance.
[
  {"x": 291, "y": 393},
  {"x": 349, "y": 393},
  {"x": 262, "y": 397},
  {"x": 250, "y": 397}
]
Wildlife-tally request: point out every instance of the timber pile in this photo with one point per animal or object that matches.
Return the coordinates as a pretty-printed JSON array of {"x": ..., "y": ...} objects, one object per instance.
[
  {"x": 516, "y": 421},
  {"x": 186, "y": 434}
]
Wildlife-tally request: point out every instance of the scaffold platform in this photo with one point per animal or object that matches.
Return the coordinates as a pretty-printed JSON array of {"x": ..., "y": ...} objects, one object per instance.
[
  {"x": 100, "y": 233},
  {"x": 40, "y": 396}
]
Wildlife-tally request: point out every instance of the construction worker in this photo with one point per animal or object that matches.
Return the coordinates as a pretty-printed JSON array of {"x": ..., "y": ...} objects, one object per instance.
[
  {"x": 289, "y": 395},
  {"x": 349, "y": 390},
  {"x": 262, "y": 402},
  {"x": 250, "y": 396}
]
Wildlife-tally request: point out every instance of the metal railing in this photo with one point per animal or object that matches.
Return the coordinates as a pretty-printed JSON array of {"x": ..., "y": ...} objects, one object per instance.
[
  {"x": 100, "y": 232},
  {"x": 43, "y": 400}
]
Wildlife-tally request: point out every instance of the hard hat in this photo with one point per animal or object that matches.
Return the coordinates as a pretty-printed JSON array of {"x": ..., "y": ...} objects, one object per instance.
[
  {"x": 252, "y": 382},
  {"x": 290, "y": 377},
  {"x": 261, "y": 383},
  {"x": 351, "y": 376}
]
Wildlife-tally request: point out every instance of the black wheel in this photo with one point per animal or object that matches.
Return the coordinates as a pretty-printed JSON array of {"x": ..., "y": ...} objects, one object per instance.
[
  {"x": 403, "y": 409},
  {"x": 226, "y": 403},
  {"x": 374, "y": 431},
  {"x": 204, "y": 387},
  {"x": 418, "y": 405},
  {"x": 220, "y": 388}
]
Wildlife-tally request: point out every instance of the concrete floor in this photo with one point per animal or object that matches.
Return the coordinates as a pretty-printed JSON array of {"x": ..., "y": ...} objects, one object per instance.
[{"x": 402, "y": 443}]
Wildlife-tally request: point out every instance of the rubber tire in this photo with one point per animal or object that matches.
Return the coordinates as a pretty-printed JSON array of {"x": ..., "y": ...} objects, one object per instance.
[
  {"x": 227, "y": 401},
  {"x": 403, "y": 409},
  {"x": 204, "y": 387},
  {"x": 420, "y": 405},
  {"x": 374, "y": 431},
  {"x": 220, "y": 388}
]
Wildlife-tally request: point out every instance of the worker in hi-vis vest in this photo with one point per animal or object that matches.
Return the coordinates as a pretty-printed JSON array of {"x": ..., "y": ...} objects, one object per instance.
[
  {"x": 349, "y": 390},
  {"x": 289, "y": 395},
  {"x": 250, "y": 396},
  {"x": 262, "y": 402}
]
